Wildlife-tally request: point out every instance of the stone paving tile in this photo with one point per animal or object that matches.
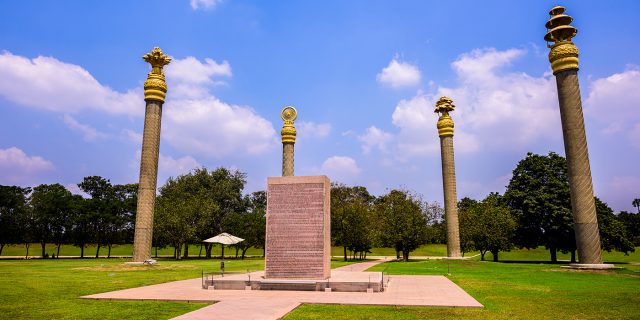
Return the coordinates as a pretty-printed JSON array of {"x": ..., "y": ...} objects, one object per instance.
[
  {"x": 241, "y": 304},
  {"x": 250, "y": 309}
]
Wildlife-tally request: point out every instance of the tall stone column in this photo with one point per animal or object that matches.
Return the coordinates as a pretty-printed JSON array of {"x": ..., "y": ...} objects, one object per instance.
[
  {"x": 289, "y": 115},
  {"x": 564, "y": 62},
  {"x": 445, "y": 130},
  {"x": 155, "y": 88}
]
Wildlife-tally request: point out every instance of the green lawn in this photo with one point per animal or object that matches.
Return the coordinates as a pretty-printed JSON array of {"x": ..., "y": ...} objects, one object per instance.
[
  {"x": 36, "y": 289},
  {"x": 512, "y": 290},
  {"x": 49, "y": 289}
]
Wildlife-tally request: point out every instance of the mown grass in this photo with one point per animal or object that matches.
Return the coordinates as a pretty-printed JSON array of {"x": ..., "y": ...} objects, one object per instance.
[
  {"x": 49, "y": 289},
  {"x": 525, "y": 287},
  {"x": 521, "y": 288}
]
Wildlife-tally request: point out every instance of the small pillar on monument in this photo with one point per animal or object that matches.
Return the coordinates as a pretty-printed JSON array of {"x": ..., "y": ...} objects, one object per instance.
[
  {"x": 155, "y": 88},
  {"x": 288, "y": 115},
  {"x": 563, "y": 56},
  {"x": 298, "y": 228},
  {"x": 445, "y": 130}
]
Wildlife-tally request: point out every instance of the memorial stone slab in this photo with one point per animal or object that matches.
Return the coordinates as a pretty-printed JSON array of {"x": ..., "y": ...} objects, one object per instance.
[{"x": 298, "y": 235}]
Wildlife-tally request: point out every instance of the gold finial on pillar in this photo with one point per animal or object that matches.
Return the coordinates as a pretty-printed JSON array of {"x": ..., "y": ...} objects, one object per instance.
[
  {"x": 155, "y": 87},
  {"x": 445, "y": 123},
  {"x": 289, "y": 114},
  {"x": 563, "y": 54}
]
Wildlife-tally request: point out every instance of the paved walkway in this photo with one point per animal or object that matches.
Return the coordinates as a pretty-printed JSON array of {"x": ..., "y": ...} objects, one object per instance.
[{"x": 256, "y": 304}]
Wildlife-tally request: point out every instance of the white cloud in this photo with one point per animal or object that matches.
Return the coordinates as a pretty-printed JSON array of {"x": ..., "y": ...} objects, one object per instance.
[
  {"x": 312, "y": 129},
  {"x": 16, "y": 166},
  {"x": 89, "y": 133},
  {"x": 169, "y": 166},
  {"x": 191, "y": 78},
  {"x": 494, "y": 108},
  {"x": 49, "y": 84},
  {"x": 480, "y": 65},
  {"x": 196, "y": 122},
  {"x": 133, "y": 136},
  {"x": 374, "y": 138},
  {"x": 417, "y": 122},
  {"x": 613, "y": 102},
  {"x": 73, "y": 188},
  {"x": 340, "y": 168},
  {"x": 399, "y": 74},
  {"x": 204, "y": 4},
  {"x": 212, "y": 127}
]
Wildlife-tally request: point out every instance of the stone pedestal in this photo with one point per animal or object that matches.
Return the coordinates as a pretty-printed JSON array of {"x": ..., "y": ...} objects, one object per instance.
[{"x": 298, "y": 235}]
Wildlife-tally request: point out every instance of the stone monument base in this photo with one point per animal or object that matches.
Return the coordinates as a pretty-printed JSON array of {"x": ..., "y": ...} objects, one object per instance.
[
  {"x": 298, "y": 236},
  {"x": 340, "y": 281},
  {"x": 590, "y": 266}
]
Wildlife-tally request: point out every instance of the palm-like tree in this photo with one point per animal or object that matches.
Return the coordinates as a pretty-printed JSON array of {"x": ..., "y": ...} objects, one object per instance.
[{"x": 636, "y": 203}]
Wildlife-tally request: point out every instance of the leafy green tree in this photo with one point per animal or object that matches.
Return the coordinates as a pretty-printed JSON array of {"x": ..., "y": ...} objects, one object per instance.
[
  {"x": 488, "y": 226},
  {"x": 258, "y": 210},
  {"x": 122, "y": 202},
  {"x": 468, "y": 224},
  {"x": 81, "y": 217},
  {"x": 402, "y": 222},
  {"x": 249, "y": 226},
  {"x": 110, "y": 211},
  {"x": 434, "y": 214},
  {"x": 192, "y": 207},
  {"x": 613, "y": 233},
  {"x": 352, "y": 221},
  {"x": 13, "y": 205},
  {"x": 539, "y": 198},
  {"x": 631, "y": 223},
  {"x": 636, "y": 203},
  {"x": 51, "y": 205}
]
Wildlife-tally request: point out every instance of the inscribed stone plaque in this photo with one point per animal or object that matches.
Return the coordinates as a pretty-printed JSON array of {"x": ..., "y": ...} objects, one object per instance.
[{"x": 298, "y": 239}]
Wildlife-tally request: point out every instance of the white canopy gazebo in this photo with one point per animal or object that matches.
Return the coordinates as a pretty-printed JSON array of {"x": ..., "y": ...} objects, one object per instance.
[{"x": 223, "y": 238}]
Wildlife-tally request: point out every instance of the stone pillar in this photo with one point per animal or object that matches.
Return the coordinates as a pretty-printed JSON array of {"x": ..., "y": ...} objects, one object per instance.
[
  {"x": 445, "y": 130},
  {"x": 155, "y": 89},
  {"x": 564, "y": 62},
  {"x": 289, "y": 115}
]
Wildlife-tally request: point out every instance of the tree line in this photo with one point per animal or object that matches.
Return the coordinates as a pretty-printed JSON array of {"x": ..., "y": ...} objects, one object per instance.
[
  {"x": 534, "y": 211},
  {"x": 49, "y": 213}
]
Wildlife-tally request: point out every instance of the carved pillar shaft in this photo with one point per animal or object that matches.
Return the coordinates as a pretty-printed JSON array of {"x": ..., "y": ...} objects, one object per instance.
[
  {"x": 450, "y": 196},
  {"x": 155, "y": 89},
  {"x": 287, "y": 159},
  {"x": 580, "y": 181},
  {"x": 445, "y": 131},
  {"x": 563, "y": 57},
  {"x": 148, "y": 181}
]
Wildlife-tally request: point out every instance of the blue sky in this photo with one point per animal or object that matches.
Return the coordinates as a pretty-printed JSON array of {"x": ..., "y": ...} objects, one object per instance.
[{"x": 364, "y": 76}]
